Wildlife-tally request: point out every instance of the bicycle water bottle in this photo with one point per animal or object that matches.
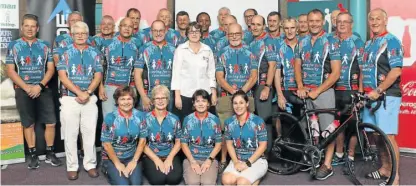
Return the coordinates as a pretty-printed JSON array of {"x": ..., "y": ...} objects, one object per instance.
[
  {"x": 331, "y": 128},
  {"x": 314, "y": 125},
  {"x": 289, "y": 108}
]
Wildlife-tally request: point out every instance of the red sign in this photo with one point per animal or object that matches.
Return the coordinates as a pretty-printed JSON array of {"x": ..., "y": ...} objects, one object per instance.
[{"x": 402, "y": 24}]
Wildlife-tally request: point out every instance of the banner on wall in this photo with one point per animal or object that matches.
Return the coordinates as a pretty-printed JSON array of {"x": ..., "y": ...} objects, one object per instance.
[
  {"x": 148, "y": 10},
  {"x": 53, "y": 15},
  {"x": 402, "y": 24},
  {"x": 237, "y": 7},
  {"x": 12, "y": 146}
]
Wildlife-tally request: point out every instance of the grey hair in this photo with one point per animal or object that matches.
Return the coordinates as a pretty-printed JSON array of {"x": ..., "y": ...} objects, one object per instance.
[
  {"x": 76, "y": 13},
  {"x": 379, "y": 9},
  {"x": 81, "y": 25},
  {"x": 346, "y": 13},
  {"x": 225, "y": 8},
  {"x": 290, "y": 19},
  {"x": 161, "y": 89}
]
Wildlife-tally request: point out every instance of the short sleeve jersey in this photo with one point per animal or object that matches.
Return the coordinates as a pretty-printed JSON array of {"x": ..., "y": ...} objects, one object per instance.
[
  {"x": 209, "y": 40},
  {"x": 157, "y": 65},
  {"x": 120, "y": 56},
  {"x": 285, "y": 62},
  {"x": 30, "y": 60},
  {"x": 262, "y": 49},
  {"x": 381, "y": 54},
  {"x": 80, "y": 67},
  {"x": 172, "y": 36},
  {"x": 98, "y": 42},
  {"x": 351, "y": 52},
  {"x": 316, "y": 59},
  {"x": 217, "y": 34},
  {"x": 123, "y": 132},
  {"x": 162, "y": 136},
  {"x": 201, "y": 134},
  {"x": 236, "y": 63},
  {"x": 245, "y": 138}
]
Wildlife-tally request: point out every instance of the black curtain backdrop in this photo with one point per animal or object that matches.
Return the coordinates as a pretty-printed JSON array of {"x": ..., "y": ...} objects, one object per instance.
[{"x": 52, "y": 16}]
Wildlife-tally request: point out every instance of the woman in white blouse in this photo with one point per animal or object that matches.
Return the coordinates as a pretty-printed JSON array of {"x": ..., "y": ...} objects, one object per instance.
[{"x": 193, "y": 69}]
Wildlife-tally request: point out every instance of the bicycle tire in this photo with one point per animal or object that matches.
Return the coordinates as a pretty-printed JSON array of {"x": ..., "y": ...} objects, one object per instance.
[
  {"x": 369, "y": 151},
  {"x": 289, "y": 138}
]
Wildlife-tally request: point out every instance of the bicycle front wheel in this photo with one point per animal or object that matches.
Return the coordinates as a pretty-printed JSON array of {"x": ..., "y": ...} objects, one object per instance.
[{"x": 376, "y": 164}]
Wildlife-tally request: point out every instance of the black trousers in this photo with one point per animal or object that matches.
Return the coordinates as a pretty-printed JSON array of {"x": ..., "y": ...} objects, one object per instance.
[
  {"x": 155, "y": 177},
  {"x": 188, "y": 108}
]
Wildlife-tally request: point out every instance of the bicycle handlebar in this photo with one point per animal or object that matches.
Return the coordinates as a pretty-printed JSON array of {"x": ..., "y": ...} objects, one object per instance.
[{"x": 369, "y": 102}]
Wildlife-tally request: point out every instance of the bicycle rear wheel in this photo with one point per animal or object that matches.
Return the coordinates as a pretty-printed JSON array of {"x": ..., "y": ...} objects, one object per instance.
[
  {"x": 280, "y": 154},
  {"x": 377, "y": 157}
]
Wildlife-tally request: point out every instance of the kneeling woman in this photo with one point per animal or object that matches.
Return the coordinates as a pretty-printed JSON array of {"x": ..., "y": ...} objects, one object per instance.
[
  {"x": 246, "y": 139},
  {"x": 119, "y": 134},
  {"x": 201, "y": 142},
  {"x": 161, "y": 164}
]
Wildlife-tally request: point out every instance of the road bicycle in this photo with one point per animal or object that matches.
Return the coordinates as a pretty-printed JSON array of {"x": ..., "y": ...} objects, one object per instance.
[{"x": 298, "y": 148}]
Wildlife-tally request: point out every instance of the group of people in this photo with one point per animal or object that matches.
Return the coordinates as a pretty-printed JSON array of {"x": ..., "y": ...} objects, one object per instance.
[{"x": 164, "y": 91}]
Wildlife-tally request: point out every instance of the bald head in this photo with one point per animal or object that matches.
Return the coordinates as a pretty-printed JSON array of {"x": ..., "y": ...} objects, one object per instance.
[
  {"x": 377, "y": 19},
  {"x": 165, "y": 16},
  {"x": 235, "y": 32},
  {"x": 158, "y": 31},
  {"x": 126, "y": 27},
  {"x": 107, "y": 25},
  {"x": 257, "y": 26},
  {"x": 230, "y": 19}
]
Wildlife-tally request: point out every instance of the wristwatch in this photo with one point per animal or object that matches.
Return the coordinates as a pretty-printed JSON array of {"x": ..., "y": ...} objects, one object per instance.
[
  {"x": 211, "y": 158},
  {"x": 42, "y": 87},
  {"x": 90, "y": 92},
  {"x": 267, "y": 85},
  {"x": 248, "y": 163},
  {"x": 379, "y": 91}
]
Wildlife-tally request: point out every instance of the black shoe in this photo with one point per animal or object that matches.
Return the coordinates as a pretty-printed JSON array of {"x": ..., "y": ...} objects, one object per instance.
[
  {"x": 338, "y": 161},
  {"x": 348, "y": 167},
  {"x": 33, "y": 162},
  {"x": 52, "y": 159},
  {"x": 324, "y": 173}
]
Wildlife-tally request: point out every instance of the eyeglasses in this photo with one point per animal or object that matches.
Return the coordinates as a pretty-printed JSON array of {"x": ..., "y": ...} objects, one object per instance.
[
  {"x": 160, "y": 99},
  {"x": 194, "y": 32},
  {"x": 236, "y": 34},
  {"x": 158, "y": 31},
  {"x": 83, "y": 34}
]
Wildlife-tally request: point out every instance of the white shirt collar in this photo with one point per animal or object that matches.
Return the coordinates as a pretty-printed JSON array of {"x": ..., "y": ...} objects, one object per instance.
[{"x": 204, "y": 47}]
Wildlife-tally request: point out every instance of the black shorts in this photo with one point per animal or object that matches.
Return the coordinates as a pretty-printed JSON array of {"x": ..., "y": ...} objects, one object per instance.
[
  {"x": 40, "y": 110},
  {"x": 343, "y": 98}
]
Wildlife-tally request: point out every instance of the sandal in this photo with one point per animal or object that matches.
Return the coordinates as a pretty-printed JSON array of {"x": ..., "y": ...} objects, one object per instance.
[{"x": 376, "y": 175}]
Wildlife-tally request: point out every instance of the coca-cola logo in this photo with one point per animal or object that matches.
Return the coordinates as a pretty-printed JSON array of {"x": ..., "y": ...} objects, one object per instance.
[{"x": 409, "y": 89}]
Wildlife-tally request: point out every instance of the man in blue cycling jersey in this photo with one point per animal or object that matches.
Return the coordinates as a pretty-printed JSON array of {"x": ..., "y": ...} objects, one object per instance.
[
  {"x": 317, "y": 68},
  {"x": 154, "y": 66},
  {"x": 106, "y": 32},
  {"x": 248, "y": 17},
  {"x": 182, "y": 21},
  {"x": 382, "y": 67},
  {"x": 219, "y": 32},
  {"x": 121, "y": 52},
  {"x": 204, "y": 20}
]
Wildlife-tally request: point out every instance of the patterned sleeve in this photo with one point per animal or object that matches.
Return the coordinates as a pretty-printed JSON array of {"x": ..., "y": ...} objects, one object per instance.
[
  {"x": 253, "y": 61},
  {"x": 270, "y": 51},
  {"x": 143, "y": 126},
  {"x": 217, "y": 128},
  {"x": 10, "y": 53},
  {"x": 49, "y": 53},
  {"x": 97, "y": 61},
  {"x": 141, "y": 60},
  {"x": 185, "y": 132},
  {"x": 334, "y": 51},
  {"x": 107, "y": 129},
  {"x": 178, "y": 128},
  {"x": 359, "y": 44},
  {"x": 261, "y": 130},
  {"x": 298, "y": 51},
  {"x": 219, "y": 66},
  {"x": 63, "y": 61},
  {"x": 227, "y": 132},
  {"x": 394, "y": 53}
]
